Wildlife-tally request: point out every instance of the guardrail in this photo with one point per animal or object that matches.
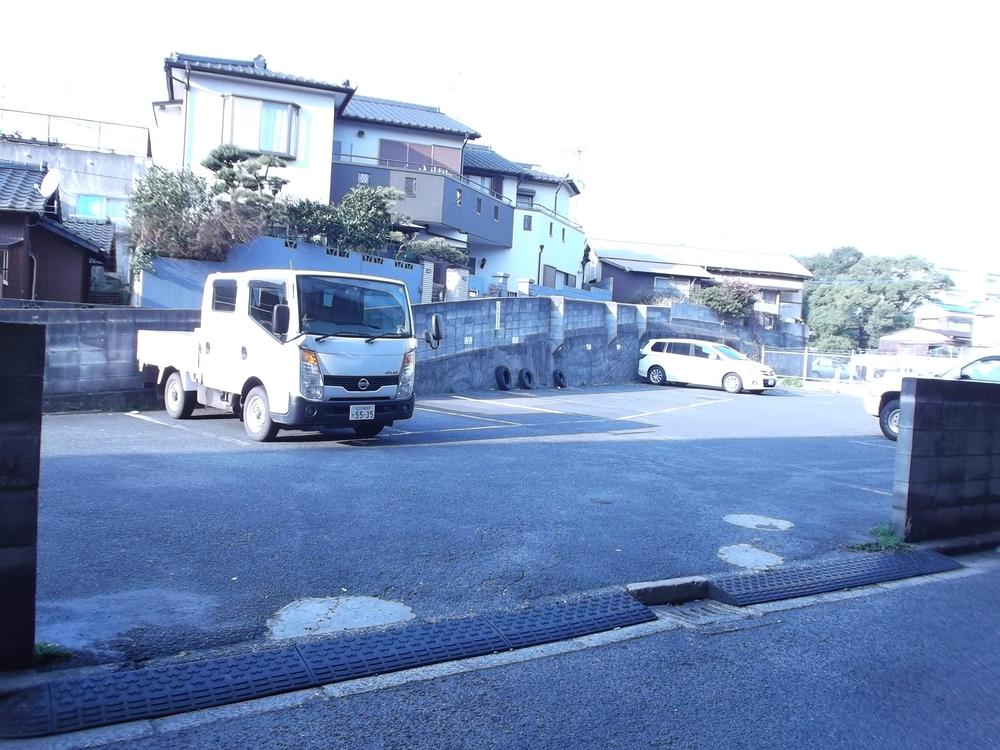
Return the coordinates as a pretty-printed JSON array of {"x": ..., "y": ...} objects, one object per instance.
[
  {"x": 375, "y": 161},
  {"x": 21, "y": 126}
]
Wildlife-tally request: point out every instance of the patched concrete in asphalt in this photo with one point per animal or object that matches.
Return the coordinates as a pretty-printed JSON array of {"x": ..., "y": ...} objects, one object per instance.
[
  {"x": 472, "y": 505},
  {"x": 748, "y": 556},
  {"x": 325, "y": 615}
]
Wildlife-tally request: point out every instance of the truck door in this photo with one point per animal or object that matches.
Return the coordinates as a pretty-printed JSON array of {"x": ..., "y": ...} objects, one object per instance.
[{"x": 216, "y": 348}]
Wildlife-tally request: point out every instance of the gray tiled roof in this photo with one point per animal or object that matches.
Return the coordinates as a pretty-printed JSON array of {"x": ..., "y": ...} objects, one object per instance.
[
  {"x": 64, "y": 230},
  {"x": 99, "y": 232},
  {"x": 19, "y": 187},
  {"x": 715, "y": 261},
  {"x": 406, "y": 115},
  {"x": 483, "y": 159},
  {"x": 247, "y": 69}
]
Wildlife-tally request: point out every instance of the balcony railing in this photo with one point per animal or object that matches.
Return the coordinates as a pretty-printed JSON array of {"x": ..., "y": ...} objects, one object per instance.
[
  {"x": 549, "y": 212},
  {"x": 422, "y": 168},
  {"x": 19, "y": 126}
]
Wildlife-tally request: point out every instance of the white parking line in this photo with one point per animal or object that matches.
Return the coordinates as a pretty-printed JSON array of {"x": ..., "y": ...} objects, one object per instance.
[
  {"x": 673, "y": 408},
  {"x": 866, "y": 489},
  {"x": 223, "y": 438},
  {"x": 876, "y": 445},
  {"x": 507, "y": 402},
  {"x": 467, "y": 416}
]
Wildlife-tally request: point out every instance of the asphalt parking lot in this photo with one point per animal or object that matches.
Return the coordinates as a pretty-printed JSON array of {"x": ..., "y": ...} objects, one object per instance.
[{"x": 158, "y": 536}]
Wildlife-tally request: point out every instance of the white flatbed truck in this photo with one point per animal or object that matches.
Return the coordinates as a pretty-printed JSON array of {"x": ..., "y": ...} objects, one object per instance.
[{"x": 298, "y": 350}]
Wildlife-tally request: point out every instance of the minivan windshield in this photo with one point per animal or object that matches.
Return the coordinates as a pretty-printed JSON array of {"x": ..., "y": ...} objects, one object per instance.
[
  {"x": 725, "y": 351},
  {"x": 330, "y": 306}
]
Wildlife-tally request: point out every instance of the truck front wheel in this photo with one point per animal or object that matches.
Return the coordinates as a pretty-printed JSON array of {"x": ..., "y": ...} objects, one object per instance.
[
  {"x": 257, "y": 420},
  {"x": 178, "y": 402}
]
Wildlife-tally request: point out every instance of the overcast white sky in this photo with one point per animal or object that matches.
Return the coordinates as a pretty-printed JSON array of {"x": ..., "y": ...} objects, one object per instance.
[{"x": 759, "y": 126}]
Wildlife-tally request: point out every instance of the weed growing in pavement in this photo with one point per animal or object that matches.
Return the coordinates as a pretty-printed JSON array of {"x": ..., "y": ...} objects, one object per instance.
[
  {"x": 790, "y": 382},
  {"x": 886, "y": 540},
  {"x": 50, "y": 653}
]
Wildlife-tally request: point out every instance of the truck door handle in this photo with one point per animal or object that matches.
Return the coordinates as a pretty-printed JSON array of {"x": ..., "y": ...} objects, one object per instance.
[{"x": 243, "y": 353}]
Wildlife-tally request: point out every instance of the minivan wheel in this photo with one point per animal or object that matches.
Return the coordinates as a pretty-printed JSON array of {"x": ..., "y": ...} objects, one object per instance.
[
  {"x": 888, "y": 419},
  {"x": 732, "y": 383},
  {"x": 656, "y": 375}
]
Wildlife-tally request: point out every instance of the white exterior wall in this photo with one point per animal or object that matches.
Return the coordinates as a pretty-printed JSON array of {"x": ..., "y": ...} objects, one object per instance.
[
  {"x": 201, "y": 119},
  {"x": 367, "y": 145}
]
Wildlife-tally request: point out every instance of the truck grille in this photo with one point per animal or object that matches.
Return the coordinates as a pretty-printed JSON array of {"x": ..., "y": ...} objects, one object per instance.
[{"x": 352, "y": 382}]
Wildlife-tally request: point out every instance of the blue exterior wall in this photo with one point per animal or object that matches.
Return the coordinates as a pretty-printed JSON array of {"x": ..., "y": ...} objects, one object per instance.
[
  {"x": 479, "y": 226},
  {"x": 173, "y": 283}
]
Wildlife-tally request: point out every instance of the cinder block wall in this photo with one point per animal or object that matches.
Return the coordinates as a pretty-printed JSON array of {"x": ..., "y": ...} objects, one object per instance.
[
  {"x": 23, "y": 348},
  {"x": 90, "y": 352},
  {"x": 947, "y": 480}
]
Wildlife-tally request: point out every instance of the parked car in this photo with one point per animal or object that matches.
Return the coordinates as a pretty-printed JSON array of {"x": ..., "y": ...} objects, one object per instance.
[
  {"x": 696, "y": 362},
  {"x": 829, "y": 368},
  {"x": 882, "y": 397}
]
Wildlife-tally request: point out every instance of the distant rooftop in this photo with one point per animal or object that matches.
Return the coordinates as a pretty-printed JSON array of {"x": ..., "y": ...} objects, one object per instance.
[
  {"x": 715, "y": 260},
  {"x": 406, "y": 115},
  {"x": 19, "y": 187}
]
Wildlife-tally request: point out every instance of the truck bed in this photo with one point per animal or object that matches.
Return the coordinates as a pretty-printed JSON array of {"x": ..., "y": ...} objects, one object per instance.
[{"x": 162, "y": 349}]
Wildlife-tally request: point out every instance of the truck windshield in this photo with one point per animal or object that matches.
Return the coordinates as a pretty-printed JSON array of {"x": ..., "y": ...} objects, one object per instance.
[{"x": 330, "y": 306}]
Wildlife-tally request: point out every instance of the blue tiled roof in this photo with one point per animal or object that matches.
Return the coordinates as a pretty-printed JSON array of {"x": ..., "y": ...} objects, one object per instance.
[
  {"x": 256, "y": 68},
  {"x": 19, "y": 187},
  {"x": 405, "y": 115}
]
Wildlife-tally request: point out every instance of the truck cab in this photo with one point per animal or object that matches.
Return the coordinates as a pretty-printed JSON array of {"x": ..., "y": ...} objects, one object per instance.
[{"x": 294, "y": 350}]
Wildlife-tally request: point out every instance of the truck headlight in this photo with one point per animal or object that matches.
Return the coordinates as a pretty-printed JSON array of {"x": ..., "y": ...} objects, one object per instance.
[
  {"x": 405, "y": 388},
  {"x": 310, "y": 378}
]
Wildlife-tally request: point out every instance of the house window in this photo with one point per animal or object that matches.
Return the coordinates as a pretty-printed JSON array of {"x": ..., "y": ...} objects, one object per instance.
[
  {"x": 117, "y": 209},
  {"x": 224, "y": 295},
  {"x": 92, "y": 206},
  {"x": 525, "y": 199},
  {"x": 458, "y": 198},
  {"x": 479, "y": 206},
  {"x": 259, "y": 126},
  {"x": 496, "y": 185},
  {"x": 769, "y": 296},
  {"x": 564, "y": 234},
  {"x": 671, "y": 287},
  {"x": 527, "y": 223},
  {"x": 419, "y": 156},
  {"x": 364, "y": 178},
  {"x": 4, "y": 267},
  {"x": 496, "y": 213},
  {"x": 411, "y": 185},
  {"x": 550, "y": 228}
]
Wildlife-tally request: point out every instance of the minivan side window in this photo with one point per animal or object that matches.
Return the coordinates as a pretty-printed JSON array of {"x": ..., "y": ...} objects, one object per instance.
[
  {"x": 224, "y": 295},
  {"x": 659, "y": 346},
  {"x": 676, "y": 347},
  {"x": 700, "y": 351}
]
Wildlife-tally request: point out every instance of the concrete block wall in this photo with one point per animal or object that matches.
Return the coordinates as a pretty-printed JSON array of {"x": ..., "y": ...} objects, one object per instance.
[
  {"x": 21, "y": 376},
  {"x": 947, "y": 472},
  {"x": 90, "y": 353}
]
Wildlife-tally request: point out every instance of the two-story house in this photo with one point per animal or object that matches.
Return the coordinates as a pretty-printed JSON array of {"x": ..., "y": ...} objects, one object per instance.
[
  {"x": 546, "y": 247},
  {"x": 637, "y": 272},
  {"x": 510, "y": 217}
]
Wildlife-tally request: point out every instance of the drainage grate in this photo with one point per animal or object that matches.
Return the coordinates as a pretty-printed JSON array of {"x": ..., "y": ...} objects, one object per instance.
[
  {"x": 703, "y": 612},
  {"x": 824, "y": 576},
  {"x": 73, "y": 704},
  {"x": 354, "y": 656}
]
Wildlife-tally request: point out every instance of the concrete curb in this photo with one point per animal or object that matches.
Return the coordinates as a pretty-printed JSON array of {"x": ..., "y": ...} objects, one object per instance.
[
  {"x": 962, "y": 545},
  {"x": 670, "y": 590}
]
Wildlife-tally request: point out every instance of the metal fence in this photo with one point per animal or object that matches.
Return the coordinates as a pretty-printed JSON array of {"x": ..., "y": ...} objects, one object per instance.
[{"x": 849, "y": 367}]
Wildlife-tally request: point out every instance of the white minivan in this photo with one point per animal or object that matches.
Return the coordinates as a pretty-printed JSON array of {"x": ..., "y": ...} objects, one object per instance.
[{"x": 697, "y": 362}]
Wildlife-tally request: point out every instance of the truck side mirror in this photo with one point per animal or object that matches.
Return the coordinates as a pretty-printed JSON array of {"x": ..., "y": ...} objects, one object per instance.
[
  {"x": 434, "y": 335},
  {"x": 279, "y": 319}
]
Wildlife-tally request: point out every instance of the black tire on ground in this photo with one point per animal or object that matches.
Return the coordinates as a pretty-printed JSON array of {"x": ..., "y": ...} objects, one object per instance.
[
  {"x": 656, "y": 375},
  {"x": 178, "y": 402},
  {"x": 888, "y": 419},
  {"x": 504, "y": 379},
  {"x": 368, "y": 430},
  {"x": 525, "y": 379},
  {"x": 559, "y": 379},
  {"x": 257, "y": 422},
  {"x": 732, "y": 383}
]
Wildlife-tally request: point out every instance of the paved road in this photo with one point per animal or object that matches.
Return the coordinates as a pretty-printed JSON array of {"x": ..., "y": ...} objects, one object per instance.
[
  {"x": 159, "y": 536},
  {"x": 916, "y": 666}
]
